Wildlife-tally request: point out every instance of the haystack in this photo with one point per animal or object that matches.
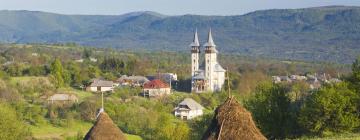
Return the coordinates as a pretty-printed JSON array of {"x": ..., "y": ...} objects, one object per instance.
[
  {"x": 104, "y": 129},
  {"x": 232, "y": 122}
]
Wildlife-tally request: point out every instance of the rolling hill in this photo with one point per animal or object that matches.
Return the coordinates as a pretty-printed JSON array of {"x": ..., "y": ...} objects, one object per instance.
[{"x": 313, "y": 34}]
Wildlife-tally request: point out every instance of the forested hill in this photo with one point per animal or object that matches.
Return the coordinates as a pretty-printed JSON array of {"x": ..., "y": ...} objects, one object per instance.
[{"x": 320, "y": 33}]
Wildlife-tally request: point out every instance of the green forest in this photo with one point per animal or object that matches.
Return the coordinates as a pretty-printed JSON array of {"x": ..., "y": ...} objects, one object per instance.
[
  {"x": 31, "y": 72},
  {"x": 329, "y": 33}
]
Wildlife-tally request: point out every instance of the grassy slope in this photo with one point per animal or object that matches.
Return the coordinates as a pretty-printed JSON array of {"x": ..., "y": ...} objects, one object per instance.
[
  {"x": 48, "y": 131},
  {"x": 351, "y": 136}
]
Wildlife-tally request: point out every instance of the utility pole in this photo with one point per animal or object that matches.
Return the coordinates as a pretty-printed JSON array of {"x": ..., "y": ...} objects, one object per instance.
[
  {"x": 228, "y": 81},
  {"x": 102, "y": 102}
]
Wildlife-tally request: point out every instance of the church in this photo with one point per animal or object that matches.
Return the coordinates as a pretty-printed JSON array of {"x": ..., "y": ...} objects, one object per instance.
[{"x": 209, "y": 76}]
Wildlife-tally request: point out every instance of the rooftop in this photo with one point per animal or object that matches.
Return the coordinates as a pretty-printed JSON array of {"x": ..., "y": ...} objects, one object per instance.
[
  {"x": 155, "y": 84},
  {"x": 101, "y": 83},
  {"x": 192, "y": 104}
]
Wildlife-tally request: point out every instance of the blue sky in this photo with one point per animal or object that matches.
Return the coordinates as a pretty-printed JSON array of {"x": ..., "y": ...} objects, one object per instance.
[{"x": 168, "y": 7}]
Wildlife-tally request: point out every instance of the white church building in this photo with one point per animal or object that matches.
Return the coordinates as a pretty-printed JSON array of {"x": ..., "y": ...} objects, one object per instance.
[{"x": 209, "y": 76}]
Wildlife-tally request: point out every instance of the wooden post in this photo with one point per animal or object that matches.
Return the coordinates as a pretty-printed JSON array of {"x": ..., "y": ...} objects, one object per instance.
[
  {"x": 219, "y": 136},
  {"x": 228, "y": 82},
  {"x": 102, "y": 100}
]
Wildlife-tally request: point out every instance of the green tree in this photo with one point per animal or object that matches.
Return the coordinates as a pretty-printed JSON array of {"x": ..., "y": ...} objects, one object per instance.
[
  {"x": 331, "y": 109},
  {"x": 181, "y": 131},
  {"x": 355, "y": 76},
  {"x": 87, "y": 53},
  {"x": 273, "y": 111},
  {"x": 11, "y": 127},
  {"x": 57, "y": 73}
]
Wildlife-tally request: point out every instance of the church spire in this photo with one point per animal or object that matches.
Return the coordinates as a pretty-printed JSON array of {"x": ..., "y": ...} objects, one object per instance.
[
  {"x": 195, "y": 42},
  {"x": 210, "y": 41}
]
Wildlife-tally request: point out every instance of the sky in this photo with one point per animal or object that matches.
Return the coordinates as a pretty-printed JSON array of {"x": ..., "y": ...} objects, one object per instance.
[{"x": 167, "y": 7}]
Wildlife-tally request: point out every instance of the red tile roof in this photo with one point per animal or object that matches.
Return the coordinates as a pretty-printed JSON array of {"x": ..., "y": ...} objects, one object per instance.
[{"x": 154, "y": 84}]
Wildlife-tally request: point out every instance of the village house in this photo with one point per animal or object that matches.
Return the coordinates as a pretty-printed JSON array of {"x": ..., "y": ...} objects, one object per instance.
[
  {"x": 62, "y": 99},
  {"x": 79, "y": 60},
  {"x": 92, "y": 59},
  {"x": 188, "y": 109},
  {"x": 133, "y": 81},
  {"x": 298, "y": 78},
  {"x": 166, "y": 77},
  {"x": 99, "y": 85},
  {"x": 315, "y": 81},
  {"x": 156, "y": 88}
]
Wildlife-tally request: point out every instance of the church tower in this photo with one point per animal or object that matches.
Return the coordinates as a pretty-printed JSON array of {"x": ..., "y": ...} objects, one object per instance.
[
  {"x": 209, "y": 76},
  {"x": 210, "y": 61},
  {"x": 195, "y": 52}
]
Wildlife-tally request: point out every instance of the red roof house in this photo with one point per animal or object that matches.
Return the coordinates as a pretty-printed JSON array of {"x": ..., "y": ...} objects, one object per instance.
[{"x": 156, "y": 88}]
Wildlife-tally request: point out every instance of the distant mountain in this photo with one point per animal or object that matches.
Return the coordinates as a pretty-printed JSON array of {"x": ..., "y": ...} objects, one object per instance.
[{"x": 315, "y": 34}]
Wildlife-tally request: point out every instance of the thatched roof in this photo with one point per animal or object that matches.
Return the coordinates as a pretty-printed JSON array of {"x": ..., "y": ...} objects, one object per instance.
[
  {"x": 104, "y": 129},
  {"x": 232, "y": 122}
]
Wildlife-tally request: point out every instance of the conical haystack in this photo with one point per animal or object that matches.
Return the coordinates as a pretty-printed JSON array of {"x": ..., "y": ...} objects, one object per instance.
[
  {"x": 104, "y": 129},
  {"x": 232, "y": 122}
]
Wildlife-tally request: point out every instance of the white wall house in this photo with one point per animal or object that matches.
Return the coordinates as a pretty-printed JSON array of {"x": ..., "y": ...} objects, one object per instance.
[
  {"x": 101, "y": 86},
  {"x": 156, "y": 88},
  {"x": 188, "y": 109},
  {"x": 134, "y": 81}
]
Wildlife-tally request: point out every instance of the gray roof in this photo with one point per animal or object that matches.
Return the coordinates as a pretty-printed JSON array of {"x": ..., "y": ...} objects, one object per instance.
[
  {"x": 140, "y": 79},
  {"x": 218, "y": 68},
  {"x": 195, "y": 43},
  {"x": 101, "y": 83},
  {"x": 210, "y": 41},
  {"x": 200, "y": 75},
  {"x": 192, "y": 104},
  {"x": 63, "y": 97}
]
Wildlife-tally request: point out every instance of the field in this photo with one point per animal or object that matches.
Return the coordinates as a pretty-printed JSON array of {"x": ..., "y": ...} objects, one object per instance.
[
  {"x": 48, "y": 131},
  {"x": 351, "y": 136}
]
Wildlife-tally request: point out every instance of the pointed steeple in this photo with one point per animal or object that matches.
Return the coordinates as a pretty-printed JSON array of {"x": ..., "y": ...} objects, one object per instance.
[
  {"x": 210, "y": 41},
  {"x": 195, "y": 43}
]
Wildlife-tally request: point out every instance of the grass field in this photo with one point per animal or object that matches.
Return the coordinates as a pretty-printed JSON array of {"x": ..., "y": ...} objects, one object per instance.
[
  {"x": 28, "y": 80},
  {"x": 344, "y": 136},
  {"x": 15, "y": 80},
  {"x": 48, "y": 131}
]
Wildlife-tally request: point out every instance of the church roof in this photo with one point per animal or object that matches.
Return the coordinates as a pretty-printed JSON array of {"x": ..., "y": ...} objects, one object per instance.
[
  {"x": 210, "y": 41},
  {"x": 218, "y": 68},
  {"x": 196, "y": 40},
  {"x": 200, "y": 75}
]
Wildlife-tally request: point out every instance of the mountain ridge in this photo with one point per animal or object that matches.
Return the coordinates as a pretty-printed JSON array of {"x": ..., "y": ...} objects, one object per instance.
[{"x": 330, "y": 33}]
